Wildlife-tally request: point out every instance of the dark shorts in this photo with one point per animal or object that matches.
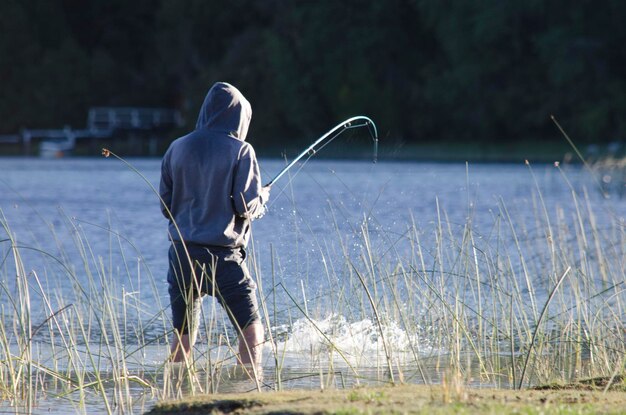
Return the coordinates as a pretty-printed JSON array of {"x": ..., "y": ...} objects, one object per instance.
[{"x": 220, "y": 272}]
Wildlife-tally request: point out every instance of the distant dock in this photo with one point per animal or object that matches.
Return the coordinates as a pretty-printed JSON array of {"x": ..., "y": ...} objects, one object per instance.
[{"x": 137, "y": 130}]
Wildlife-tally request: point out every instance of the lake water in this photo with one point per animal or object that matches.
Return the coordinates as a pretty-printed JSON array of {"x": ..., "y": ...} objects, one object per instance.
[
  {"x": 99, "y": 218},
  {"x": 315, "y": 218}
]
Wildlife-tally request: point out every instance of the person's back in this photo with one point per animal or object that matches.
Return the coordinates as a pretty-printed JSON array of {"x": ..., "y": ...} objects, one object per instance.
[
  {"x": 210, "y": 177},
  {"x": 211, "y": 191}
]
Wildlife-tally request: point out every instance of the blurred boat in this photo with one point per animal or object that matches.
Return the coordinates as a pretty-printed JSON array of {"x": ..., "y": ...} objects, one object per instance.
[{"x": 56, "y": 148}]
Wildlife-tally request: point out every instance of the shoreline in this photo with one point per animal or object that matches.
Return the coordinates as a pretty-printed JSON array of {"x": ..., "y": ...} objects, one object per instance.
[
  {"x": 435, "y": 152},
  {"x": 450, "y": 397}
]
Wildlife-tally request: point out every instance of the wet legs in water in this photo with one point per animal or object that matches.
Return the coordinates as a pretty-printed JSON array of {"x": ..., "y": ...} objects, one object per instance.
[{"x": 250, "y": 346}]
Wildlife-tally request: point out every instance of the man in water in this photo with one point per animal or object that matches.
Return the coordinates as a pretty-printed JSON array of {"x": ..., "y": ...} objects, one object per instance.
[{"x": 211, "y": 191}]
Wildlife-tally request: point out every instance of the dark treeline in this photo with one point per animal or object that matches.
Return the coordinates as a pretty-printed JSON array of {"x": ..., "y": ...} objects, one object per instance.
[{"x": 488, "y": 70}]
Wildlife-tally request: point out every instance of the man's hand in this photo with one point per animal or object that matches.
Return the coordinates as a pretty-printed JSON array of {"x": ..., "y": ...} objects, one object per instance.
[{"x": 265, "y": 194}]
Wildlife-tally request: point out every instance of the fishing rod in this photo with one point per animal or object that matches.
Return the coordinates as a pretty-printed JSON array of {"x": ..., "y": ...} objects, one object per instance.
[{"x": 350, "y": 123}]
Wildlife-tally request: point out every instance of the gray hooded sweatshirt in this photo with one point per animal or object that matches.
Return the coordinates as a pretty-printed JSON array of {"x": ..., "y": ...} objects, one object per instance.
[{"x": 210, "y": 179}]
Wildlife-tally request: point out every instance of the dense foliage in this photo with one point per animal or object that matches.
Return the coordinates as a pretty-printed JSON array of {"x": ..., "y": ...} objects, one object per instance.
[{"x": 484, "y": 70}]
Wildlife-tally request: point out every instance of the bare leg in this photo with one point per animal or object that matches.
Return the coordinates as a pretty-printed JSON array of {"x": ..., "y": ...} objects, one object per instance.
[
  {"x": 177, "y": 374},
  {"x": 182, "y": 343},
  {"x": 251, "y": 345},
  {"x": 181, "y": 350}
]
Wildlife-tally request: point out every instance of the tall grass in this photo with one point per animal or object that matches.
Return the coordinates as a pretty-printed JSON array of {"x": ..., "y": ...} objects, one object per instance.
[{"x": 537, "y": 298}]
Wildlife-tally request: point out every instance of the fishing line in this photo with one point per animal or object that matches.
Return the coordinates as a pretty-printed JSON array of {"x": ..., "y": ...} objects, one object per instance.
[
  {"x": 300, "y": 167},
  {"x": 310, "y": 151},
  {"x": 333, "y": 133}
]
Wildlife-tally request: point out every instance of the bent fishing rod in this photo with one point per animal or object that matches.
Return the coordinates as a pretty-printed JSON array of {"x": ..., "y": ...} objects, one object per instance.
[{"x": 350, "y": 123}]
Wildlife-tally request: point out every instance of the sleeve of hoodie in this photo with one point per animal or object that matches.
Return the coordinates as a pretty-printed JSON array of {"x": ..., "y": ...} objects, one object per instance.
[
  {"x": 247, "y": 185},
  {"x": 165, "y": 187}
]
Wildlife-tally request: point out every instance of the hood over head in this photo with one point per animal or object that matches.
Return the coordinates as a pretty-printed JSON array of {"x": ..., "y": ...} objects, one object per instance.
[{"x": 226, "y": 110}]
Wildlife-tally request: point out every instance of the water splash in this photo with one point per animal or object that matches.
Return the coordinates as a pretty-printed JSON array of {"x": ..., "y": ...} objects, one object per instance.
[{"x": 360, "y": 341}]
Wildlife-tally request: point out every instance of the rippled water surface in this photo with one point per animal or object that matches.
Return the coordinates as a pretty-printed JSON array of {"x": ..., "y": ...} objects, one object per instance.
[
  {"x": 317, "y": 217},
  {"x": 98, "y": 219}
]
